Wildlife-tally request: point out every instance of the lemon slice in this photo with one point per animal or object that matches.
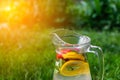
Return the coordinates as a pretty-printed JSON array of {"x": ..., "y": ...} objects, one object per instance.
[
  {"x": 73, "y": 55},
  {"x": 74, "y": 67}
]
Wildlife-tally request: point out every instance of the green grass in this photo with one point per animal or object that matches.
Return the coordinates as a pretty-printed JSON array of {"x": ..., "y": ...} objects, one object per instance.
[{"x": 28, "y": 53}]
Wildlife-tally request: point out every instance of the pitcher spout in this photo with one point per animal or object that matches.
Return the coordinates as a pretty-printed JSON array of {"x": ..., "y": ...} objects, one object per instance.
[{"x": 69, "y": 38}]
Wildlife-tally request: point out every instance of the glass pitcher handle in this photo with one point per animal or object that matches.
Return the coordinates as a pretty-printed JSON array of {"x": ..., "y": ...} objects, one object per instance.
[{"x": 99, "y": 53}]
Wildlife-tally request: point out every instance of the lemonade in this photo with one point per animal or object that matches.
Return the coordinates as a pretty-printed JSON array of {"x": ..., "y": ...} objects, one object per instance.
[
  {"x": 58, "y": 76},
  {"x": 72, "y": 51},
  {"x": 71, "y": 65}
]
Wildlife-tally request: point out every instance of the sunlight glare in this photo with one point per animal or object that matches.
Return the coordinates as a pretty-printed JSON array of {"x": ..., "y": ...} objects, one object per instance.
[
  {"x": 8, "y": 8},
  {"x": 17, "y": 13}
]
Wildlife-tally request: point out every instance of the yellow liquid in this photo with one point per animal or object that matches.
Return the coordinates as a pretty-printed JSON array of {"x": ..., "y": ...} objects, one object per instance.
[
  {"x": 81, "y": 76},
  {"x": 72, "y": 66}
]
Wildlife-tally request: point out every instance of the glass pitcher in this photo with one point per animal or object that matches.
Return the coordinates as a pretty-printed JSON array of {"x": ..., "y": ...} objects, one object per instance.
[{"x": 71, "y": 56}]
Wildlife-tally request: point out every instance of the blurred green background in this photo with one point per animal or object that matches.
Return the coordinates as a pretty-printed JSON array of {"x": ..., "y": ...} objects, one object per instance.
[{"x": 26, "y": 48}]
